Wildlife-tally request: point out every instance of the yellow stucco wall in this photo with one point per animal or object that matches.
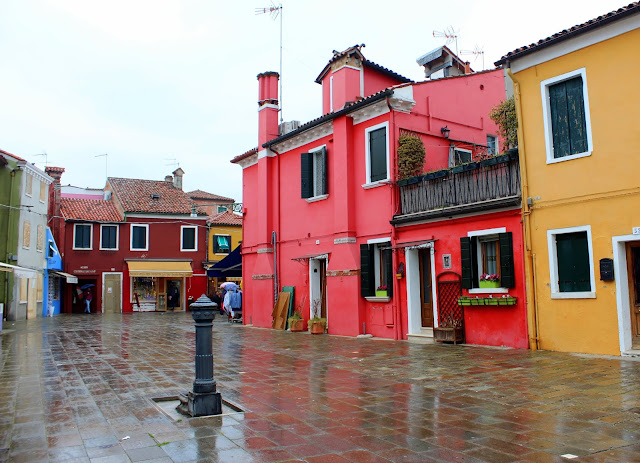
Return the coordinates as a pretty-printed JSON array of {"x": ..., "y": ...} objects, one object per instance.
[
  {"x": 601, "y": 190},
  {"x": 236, "y": 236}
]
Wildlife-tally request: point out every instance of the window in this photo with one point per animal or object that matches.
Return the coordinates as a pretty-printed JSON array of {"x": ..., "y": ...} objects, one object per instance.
[
  {"x": 492, "y": 145},
  {"x": 43, "y": 192},
  {"x": 487, "y": 252},
  {"x": 313, "y": 173},
  {"x": 377, "y": 150},
  {"x": 567, "y": 123},
  {"x": 39, "y": 285},
  {"x": 109, "y": 237},
  {"x": 40, "y": 238},
  {"x": 461, "y": 156},
  {"x": 139, "y": 241},
  {"x": 571, "y": 263},
  {"x": 221, "y": 244},
  {"x": 26, "y": 235},
  {"x": 82, "y": 236},
  {"x": 375, "y": 267},
  {"x": 24, "y": 290},
  {"x": 189, "y": 239},
  {"x": 222, "y": 209},
  {"x": 28, "y": 184}
]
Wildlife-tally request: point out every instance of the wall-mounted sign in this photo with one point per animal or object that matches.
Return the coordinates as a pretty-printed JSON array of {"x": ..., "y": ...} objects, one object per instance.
[
  {"x": 606, "y": 270},
  {"x": 636, "y": 230},
  {"x": 446, "y": 261}
]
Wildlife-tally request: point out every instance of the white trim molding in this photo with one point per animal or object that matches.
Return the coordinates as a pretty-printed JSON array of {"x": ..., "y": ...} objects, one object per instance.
[
  {"x": 195, "y": 238},
  {"x": 402, "y": 99},
  {"x": 266, "y": 153},
  {"x": 622, "y": 289},
  {"x": 131, "y": 248},
  {"x": 249, "y": 161},
  {"x": 369, "y": 112},
  {"x": 546, "y": 115},
  {"x": 75, "y": 226},
  {"x": 553, "y": 264},
  {"x": 102, "y": 225},
  {"x": 367, "y": 131},
  {"x": 308, "y": 136}
]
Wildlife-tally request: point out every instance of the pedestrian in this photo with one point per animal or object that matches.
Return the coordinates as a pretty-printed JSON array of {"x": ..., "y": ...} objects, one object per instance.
[
  {"x": 88, "y": 297},
  {"x": 218, "y": 300},
  {"x": 174, "y": 297}
]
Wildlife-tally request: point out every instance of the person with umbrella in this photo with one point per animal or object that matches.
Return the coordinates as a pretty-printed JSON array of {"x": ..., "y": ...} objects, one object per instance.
[{"x": 88, "y": 296}]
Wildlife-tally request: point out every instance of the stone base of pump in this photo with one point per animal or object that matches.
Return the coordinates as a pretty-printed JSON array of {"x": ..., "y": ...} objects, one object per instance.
[{"x": 200, "y": 404}]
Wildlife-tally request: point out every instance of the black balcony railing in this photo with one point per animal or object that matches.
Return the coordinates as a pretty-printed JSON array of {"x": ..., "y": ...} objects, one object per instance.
[{"x": 487, "y": 184}]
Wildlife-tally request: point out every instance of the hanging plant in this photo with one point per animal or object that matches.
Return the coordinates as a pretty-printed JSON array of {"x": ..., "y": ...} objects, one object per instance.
[
  {"x": 410, "y": 156},
  {"x": 504, "y": 116}
]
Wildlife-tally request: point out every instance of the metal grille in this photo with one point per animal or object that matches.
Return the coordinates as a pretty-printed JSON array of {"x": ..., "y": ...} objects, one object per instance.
[{"x": 449, "y": 290}]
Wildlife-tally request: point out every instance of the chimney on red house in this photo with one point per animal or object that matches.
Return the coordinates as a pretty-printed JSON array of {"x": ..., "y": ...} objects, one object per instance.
[
  {"x": 267, "y": 107},
  {"x": 55, "y": 219}
]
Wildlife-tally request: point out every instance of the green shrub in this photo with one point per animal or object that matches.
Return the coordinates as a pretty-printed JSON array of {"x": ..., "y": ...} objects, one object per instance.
[{"x": 411, "y": 154}]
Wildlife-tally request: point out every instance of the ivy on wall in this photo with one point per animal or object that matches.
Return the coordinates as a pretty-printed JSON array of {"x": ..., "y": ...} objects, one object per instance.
[
  {"x": 504, "y": 116},
  {"x": 411, "y": 154}
]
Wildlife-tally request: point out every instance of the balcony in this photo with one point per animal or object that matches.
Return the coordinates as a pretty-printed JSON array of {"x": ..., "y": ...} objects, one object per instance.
[{"x": 489, "y": 184}]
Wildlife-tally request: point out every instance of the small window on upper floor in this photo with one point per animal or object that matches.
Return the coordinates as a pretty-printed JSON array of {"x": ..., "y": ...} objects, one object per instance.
[
  {"x": 40, "y": 238},
  {"x": 108, "y": 237},
  {"x": 377, "y": 152},
  {"x": 139, "y": 237},
  {"x": 28, "y": 184},
  {"x": 222, "y": 209},
  {"x": 189, "y": 238},
  {"x": 26, "y": 235},
  {"x": 43, "y": 192},
  {"x": 313, "y": 175},
  {"x": 567, "y": 123},
  {"x": 82, "y": 236},
  {"x": 492, "y": 145},
  {"x": 222, "y": 244},
  {"x": 461, "y": 156}
]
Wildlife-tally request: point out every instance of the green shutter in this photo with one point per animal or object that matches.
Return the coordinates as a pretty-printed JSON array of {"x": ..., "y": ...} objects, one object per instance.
[
  {"x": 378, "y": 154},
  {"x": 574, "y": 273},
  {"x": 466, "y": 255},
  {"x": 575, "y": 111},
  {"x": 559, "y": 120},
  {"x": 367, "y": 272},
  {"x": 323, "y": 165},
  {"x": 306, "y": 175},
  {"x": 388, "y": 270},
  {"x": 507, "y": 272}
]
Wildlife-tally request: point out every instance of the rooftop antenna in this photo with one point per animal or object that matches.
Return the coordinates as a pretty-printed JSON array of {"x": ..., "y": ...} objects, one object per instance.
[
  {"x": 173, "y": 162},
  {"x": 275, "y": 11},
  {"x": 450, "y": 34},
  {"x": 106, "y": 171},
  {"x": 46, "y": 159},
  {"x": 477, "y": 52}
]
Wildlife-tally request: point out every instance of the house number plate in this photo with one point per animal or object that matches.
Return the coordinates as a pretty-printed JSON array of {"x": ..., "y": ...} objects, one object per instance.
[{"x": 636, "y": 230}]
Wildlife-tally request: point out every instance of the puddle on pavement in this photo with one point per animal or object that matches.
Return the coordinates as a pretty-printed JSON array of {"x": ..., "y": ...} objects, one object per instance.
[{"x": 167, "y": 405}]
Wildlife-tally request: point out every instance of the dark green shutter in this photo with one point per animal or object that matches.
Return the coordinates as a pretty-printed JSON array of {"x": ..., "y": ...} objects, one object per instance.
[
  {"x": 574, "y": 273},
  {"x": 323, "y": 164},
  {"x": 306, "y": 175},
  {"x": 367, "y": 272},
  {"x": 466, "y": 255},
  {"x": 378, "y": 154},
  {"x": 568, "y": 121},
  {"x": 507, "y": 272},
  {"x": 559, "y": 120},
  {"x": 575, "y": 110},
  {"x": 388, "y": 270}
]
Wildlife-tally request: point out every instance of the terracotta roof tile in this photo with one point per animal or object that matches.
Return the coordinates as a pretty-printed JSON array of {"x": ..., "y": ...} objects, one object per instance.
[
  {"x": 244, "y": 155},
  {"x": 571, "y": 32},
  {"x": 91, "y": 210},
  {"x": 225, "y": 218},
  {"x": 12, "y": 155},
  {"x": 150, "y": 196},
  {"x": 200, "y": 194}
]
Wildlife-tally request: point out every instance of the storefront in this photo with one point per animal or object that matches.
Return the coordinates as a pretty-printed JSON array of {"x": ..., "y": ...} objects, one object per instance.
[{"x": 158, "y": 285}]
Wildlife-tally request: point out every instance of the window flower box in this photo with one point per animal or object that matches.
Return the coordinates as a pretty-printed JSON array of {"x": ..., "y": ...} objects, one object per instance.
[
  {"x": 489, "y": 284},
  {"x": 381, "y": 293},
  {"x": 509, "y": 300},
  {"x": 435, "y": 175}
]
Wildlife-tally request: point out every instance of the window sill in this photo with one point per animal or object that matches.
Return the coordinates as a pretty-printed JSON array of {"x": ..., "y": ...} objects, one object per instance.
[
  {"x": 576, "y": 295},
  {"x": 368, "y": 186},
  {"x": 488, "y": 290},
  {"x": 377, "y": 299},
  {"x": 82, "y": 249},
  {"x": 108, "y": 249},
  {"x": 568, "y": 158},
  {"x": 316, "y": 198},
  {"x": 188, "y": 250},
  {"x": 139, "y": 250}
]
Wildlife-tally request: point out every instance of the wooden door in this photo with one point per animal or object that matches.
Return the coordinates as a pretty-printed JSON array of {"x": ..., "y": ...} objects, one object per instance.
[
  {"x": 633, "y": 269},
  {"x": 426, "y": 299},
  {"x": 112, "y": 293}
]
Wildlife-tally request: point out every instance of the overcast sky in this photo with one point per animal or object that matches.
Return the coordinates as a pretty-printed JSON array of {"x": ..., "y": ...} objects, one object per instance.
[{"x": 154, "y": 83}]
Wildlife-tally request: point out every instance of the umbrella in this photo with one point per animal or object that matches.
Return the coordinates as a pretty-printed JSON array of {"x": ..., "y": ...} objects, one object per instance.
[
  {"x": 229, "y": 285},
  {"x": 87, "y": 286}
]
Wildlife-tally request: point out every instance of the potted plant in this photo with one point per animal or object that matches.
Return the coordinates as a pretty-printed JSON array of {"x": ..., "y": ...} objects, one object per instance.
[
  {"x": 317, "y": 325},
  {"x": 451, "y": 330},
  {"x": 381, "y": 291},
  {"x": 295, "y": 321},
  {"x": 489, "y": 280}
]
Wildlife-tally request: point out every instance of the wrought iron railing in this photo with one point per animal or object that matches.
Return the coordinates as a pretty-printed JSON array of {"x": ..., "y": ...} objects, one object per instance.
[{"x": 476, "y": 182}]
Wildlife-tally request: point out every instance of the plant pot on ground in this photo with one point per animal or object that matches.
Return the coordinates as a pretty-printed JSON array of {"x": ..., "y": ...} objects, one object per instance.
[
  {"x": 317, "y": 325},
  {"x": 296, "y": 322}
]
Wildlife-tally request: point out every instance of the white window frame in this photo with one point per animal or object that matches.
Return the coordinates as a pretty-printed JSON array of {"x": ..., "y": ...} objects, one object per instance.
[
  {"x": 494, "y": 137},
  {"x": 117, "y": 248},
  {"x": 195, "y": 238},
  {"x": 546, "y": 115},
  {"x": 377, "y": 258},
  {"x": 553, "y": 264},
  {"x": 224, "y": 208},
  {"x": 315, "y": 196},
  {"x": 75, "y": 227},
  {"x": 461, "y": 150},
  {"x": 131, "y": 248},
  {"x": 485, "y": 234},
  {"x": 368, "y": 182}
]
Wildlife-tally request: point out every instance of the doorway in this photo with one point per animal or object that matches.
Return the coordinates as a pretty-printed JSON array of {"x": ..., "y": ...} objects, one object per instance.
[
  {"x": 426, "y": 288},
  {"x": 633, "y": 272},
  {"x": 174, "y": 294},
  {"x": 422, "y": 303},
  {"x": 112, "y": 292},
  {"x": 318, "y": 287}
]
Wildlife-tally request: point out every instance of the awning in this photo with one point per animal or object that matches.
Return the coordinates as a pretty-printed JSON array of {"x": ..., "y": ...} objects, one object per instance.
[
  {"x": 412, "y": 245},
  {"x": 159, "y": 268},
  {"x": 18, "y": 272},
  {"x": 70, "y": 278},
  {"x": 324, "y": 255},
  {"x": 230, "y": 266}
]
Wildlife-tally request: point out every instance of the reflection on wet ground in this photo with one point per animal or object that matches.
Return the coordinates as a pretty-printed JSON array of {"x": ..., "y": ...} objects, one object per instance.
[{"x": 78, "y": 388}]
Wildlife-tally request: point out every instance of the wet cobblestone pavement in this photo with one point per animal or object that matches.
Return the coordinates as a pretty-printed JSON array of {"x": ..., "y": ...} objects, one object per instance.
[{"x": 79, "y": 388}]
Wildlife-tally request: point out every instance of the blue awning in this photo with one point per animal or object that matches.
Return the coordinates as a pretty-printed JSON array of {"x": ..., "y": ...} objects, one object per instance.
[{"x": 230, "y": 266}]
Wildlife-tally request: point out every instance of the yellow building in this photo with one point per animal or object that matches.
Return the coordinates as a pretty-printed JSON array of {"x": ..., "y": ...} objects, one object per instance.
[
  {"x": 578, "y": 107},
  {"x": 225, "y": 235}
]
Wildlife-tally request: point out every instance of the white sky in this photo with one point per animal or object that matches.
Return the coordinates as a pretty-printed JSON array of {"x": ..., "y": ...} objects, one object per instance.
[{"x": 154, "y": 82}]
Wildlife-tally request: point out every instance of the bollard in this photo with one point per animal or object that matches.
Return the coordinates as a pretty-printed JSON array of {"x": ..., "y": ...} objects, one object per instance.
[{"x": 203, "y": 400}]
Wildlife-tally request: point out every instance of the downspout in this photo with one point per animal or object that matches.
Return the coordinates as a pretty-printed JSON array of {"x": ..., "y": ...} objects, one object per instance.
[
  {"x": 10, "y": 211},
  {"x": 274, "y": 234},
  {"x": 395, "y": 308},
  {"x": 529, "y": 268}
]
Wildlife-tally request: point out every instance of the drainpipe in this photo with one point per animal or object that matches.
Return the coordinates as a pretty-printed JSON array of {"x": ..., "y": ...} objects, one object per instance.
[
  {"x": 529, "y": 268},
  {"x": 274, "y": 240},
  {"x": 395, "y": 307},
  {"x": 10, "y": 213}
]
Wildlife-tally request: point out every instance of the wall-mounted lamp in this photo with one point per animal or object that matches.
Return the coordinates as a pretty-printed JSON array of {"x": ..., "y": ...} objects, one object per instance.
[
  {"x": 445, "y": 131},
  {"x": 193, "y": 211}
]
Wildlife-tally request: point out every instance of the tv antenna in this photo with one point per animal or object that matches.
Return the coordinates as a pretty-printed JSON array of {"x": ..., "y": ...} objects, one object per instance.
[
  {"x": 106, "y": 171},
  {"x": 173, "y": 162},
  {"x": 477, "y": 52},
  {"x": 449, "y": 34},
  {"x": 46, "y": 158},
  {"x": 275, "y": 11}
]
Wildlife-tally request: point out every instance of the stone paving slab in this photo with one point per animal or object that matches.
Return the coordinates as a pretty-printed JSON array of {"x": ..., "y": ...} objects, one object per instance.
[{"x": 78, "y": 388}]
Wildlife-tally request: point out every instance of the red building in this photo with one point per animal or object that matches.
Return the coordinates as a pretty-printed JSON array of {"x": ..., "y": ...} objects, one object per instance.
[
  {"x": 324, "y": 210},
  {"x": 140, "y": 248}
]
